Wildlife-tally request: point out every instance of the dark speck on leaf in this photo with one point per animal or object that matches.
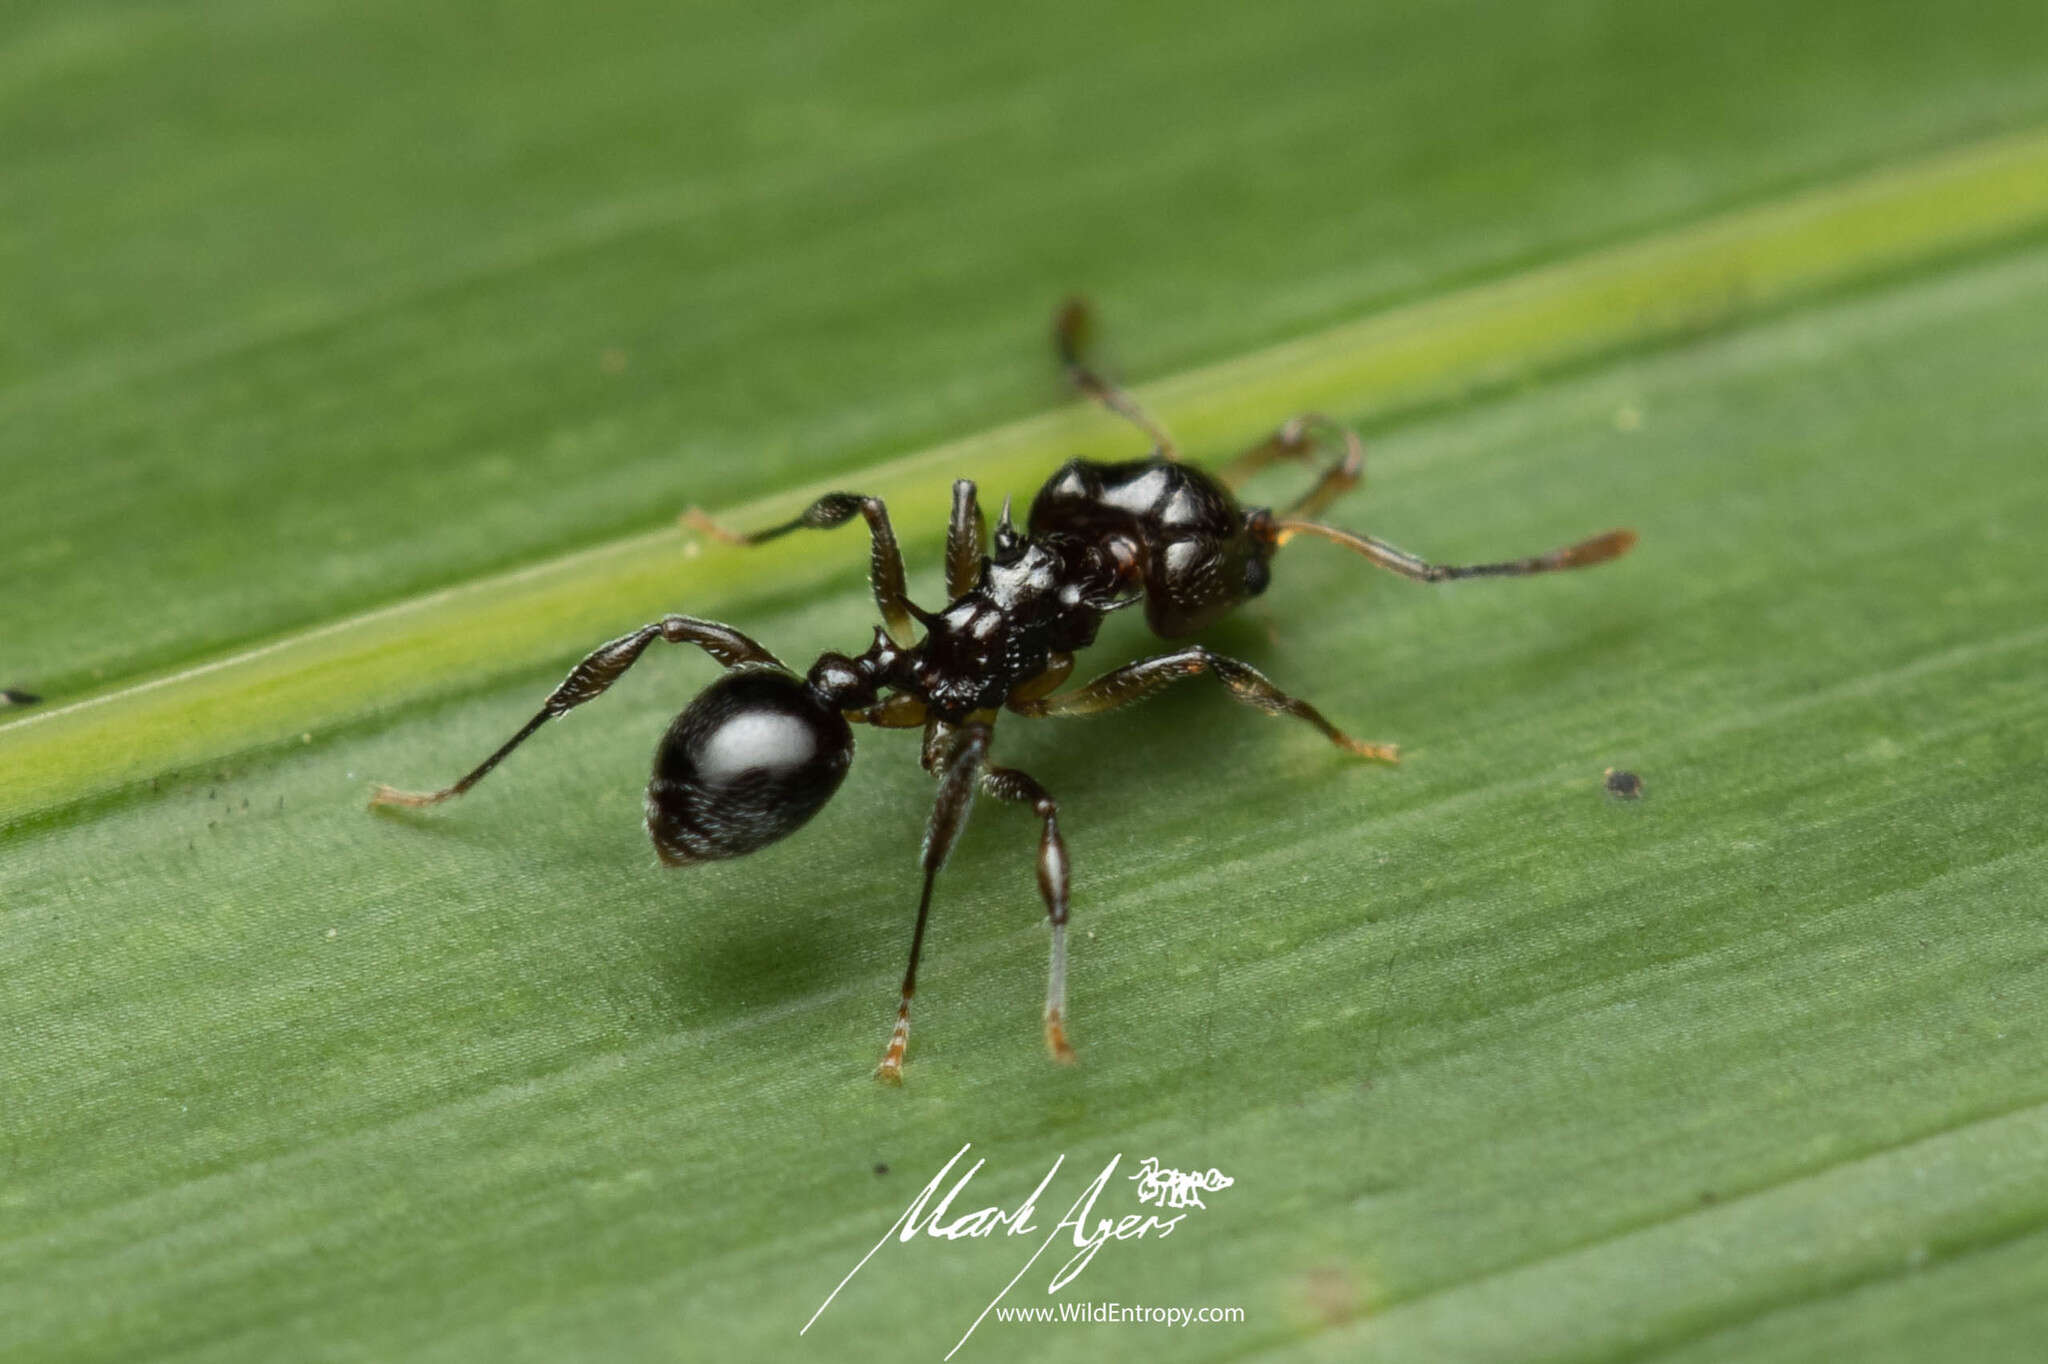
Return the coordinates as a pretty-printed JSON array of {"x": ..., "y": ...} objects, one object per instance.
[
  {"x": 11, "y": 697},
  {"x": 1623, "y": 783},
  {"x": 881, "y": 1167}
]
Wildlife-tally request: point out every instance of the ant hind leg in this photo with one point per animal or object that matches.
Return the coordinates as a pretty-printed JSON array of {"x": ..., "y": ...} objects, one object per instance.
[{"x": 590, "y": 679}]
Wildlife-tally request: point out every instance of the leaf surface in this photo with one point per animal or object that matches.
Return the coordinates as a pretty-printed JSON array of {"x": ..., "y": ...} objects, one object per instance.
[{"x": 1504, "y": 1067}]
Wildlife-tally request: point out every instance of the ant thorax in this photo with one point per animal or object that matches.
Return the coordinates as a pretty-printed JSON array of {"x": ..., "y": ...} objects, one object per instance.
[{"x": 1037, "y": 596}]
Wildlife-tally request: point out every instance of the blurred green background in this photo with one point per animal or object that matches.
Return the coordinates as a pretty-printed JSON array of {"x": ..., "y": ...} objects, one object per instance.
[
  {"x": 292, "y": 284},
  {"x": 315, "y": 308}
]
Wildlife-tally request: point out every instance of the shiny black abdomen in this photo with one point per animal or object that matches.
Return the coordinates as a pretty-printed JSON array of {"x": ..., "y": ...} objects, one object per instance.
[
  {"x": 751, "y": 759},
  {"x": 1192, "y": 540}
]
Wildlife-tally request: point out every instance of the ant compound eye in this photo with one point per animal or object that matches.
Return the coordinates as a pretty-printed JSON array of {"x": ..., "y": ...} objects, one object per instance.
[{"x": 750, "y": 761}]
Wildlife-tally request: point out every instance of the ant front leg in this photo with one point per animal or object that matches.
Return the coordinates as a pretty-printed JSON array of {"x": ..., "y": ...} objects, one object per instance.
[
  {"x": 1071, "y": 329},
  {"x": 1135, "y": 681},
  {"x": 959, "y": 773},
  {"x": 1007, "y": 783},
  {"x": 1298, "y": 438},
  {"x": 590, "y": 679},
  {"x": 832, "y": 510}
]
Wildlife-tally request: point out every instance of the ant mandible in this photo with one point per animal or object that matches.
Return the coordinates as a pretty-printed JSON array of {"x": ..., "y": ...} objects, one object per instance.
[{"x": 761, "y": 750}]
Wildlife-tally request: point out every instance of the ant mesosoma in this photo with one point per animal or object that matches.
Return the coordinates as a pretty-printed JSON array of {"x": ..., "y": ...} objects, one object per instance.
[{"x": 761, "y": 750}]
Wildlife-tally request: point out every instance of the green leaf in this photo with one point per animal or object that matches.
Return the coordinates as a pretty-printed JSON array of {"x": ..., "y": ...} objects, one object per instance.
[{"x": 1503, "y": 1066}]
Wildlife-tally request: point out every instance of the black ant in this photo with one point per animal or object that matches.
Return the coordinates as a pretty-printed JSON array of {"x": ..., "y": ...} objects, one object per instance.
[{"x": 761, "y": 750}]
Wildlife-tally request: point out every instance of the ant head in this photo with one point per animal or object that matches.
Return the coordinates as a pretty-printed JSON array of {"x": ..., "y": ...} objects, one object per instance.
[{"x": 750, "y": 761}]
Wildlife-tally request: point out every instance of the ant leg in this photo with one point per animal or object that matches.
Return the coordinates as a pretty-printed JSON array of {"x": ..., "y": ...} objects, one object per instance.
[
  {"x": 904, "y": 710},
  {"x": 1340, "y": 478},
  {"x": 1007, "y": 783},
  {"x": 589, "y": 680},
  {"x": 1597, "y": 550},
  {"x": 1291, "y": 441},
  {"x": 832, "y": 510},
  {"x": 1058, "y": 668},
  {"x": 1295, "y": 439},
  {"x": 1070, "y": 334},
  {"x": 1135, "y": 681},
  {"x": 966, "y": 540},
  {"x": 957, "y": 780}
]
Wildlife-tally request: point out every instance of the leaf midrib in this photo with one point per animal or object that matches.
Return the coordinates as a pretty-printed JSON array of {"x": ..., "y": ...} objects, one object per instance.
[{"x": 1736, "y": 266}]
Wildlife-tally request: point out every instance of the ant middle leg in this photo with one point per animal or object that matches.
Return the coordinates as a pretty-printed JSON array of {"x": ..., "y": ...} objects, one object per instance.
[
  {"x": 1298, "y": 438},
  {"x": 1007, "y": 783},
  {"x": 885, "y": 570},
  {"x": 1071, "y": 329},
  {"x": 959, "y": 774},
  {"x": 1134, "y": 681},
  {"x": 590, "y": 679}
]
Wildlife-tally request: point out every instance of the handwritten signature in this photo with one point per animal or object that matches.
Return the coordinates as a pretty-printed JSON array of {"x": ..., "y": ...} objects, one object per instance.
[{"x": 1158, "y": 1186}]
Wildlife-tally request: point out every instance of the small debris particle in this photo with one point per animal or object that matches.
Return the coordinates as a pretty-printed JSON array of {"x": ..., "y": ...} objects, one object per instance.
[
  {"x": 11, "y": 697},
  {"x": 1708, "y": 1198},
  {"x": 306, "y": 738},
  {"x": 1333, "y": 1294},
  {"x": 1628, "y": 417},
  {"x": 333, "y": 932},
  {"x": 1624, "y": 783},
  {"x": 881, "y": 1167},
  {"x": 613, "y": 361}
]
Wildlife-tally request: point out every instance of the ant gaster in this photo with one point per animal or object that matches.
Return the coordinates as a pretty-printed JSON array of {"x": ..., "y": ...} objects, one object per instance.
[{"x": 761, "y": 750}]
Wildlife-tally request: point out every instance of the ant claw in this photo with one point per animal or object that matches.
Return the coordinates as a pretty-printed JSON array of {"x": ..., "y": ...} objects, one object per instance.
[{"x": 1056, "y": 1040}]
